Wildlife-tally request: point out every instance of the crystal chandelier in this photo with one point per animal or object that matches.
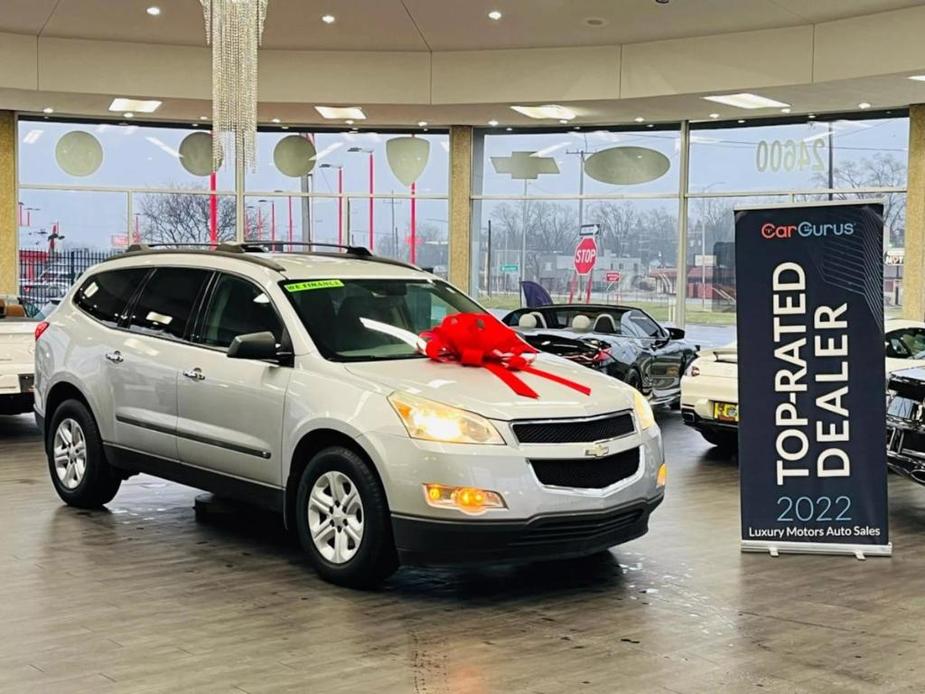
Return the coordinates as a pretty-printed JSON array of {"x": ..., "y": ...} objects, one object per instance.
[{"x": 234, "y": 29}]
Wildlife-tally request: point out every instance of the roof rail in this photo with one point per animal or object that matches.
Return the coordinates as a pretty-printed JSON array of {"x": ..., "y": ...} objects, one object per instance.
[
  {"x": 224, "y": 250},
  {"x": 355, "y": 252}
]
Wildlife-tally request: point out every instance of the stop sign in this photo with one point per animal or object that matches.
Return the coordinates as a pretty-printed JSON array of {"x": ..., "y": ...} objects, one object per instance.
[{"x": 585, "y": 255}]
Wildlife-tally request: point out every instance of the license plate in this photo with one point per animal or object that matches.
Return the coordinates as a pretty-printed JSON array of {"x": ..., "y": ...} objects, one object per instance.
[{"x": 726, "y": 411}]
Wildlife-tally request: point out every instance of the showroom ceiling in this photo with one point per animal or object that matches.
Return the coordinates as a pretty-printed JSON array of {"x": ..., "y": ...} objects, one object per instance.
[{"x": 436, "y": 25}]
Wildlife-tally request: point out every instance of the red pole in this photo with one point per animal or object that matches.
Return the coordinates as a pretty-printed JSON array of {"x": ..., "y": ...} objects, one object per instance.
[
  {"x": 213, "y": 210},
  {"x": 137, "y": 229},
  {"x": 340, "y": 205},
  {"x": 273, "y": 220},
  {"x": 414, "y": 224},
  {"x": 372, "y": 240},
  {"x": 290, "y": 222}
]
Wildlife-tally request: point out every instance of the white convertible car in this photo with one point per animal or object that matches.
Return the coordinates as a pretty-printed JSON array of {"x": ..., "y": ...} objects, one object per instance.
[
  {"x": 709, "y": 388},
  {"x": 17, "y": 347}
]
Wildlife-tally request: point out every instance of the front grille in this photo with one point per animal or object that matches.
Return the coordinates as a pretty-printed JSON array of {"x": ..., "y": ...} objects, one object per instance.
[
  {"x": 574, "y": 430},
  {"x": 587, "y": 473},
  {"x": 577, "y": 528}
]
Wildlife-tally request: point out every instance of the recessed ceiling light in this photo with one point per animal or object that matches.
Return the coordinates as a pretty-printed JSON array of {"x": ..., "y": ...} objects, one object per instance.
[
  {"x": 917, "y": 78},
  {"x": 341, "y": 112},
  {"x": 422, "y": 123},
  {"x": 563, "y": 121},
  {"x": 48, "y": 109},
  {"x": 328, "y": 18},
  {"x": 128, "y": 114},
  {"x": 509, "y": 128},
  {"x": 349, "y": 121},
  {"x": 139, "y": 105},
  {"x": 741, "y": 120},
  {"x": 494, "y": 15},
  {"x": 785, "y": 110},
  {"x": 493, "y": 123},
  {"x": 284, "y": 127},
  {"x": 746, "y": 100},
  {"x": 863, "y": 105},
  {"x": 154, "y": 10},
  {"x": 714, "y": 116},
  {"x": 639, "y": 119},
  {"x": 276, "y": 120},
  {"x": 577, "y": 127},
  {"x": 545, "y": 111},
  {"x": 811, "y": 116},
  {"x": 595, "y": 22},
  {"x": 203, "y": 118},
  {"x": 651, "y": 125}
]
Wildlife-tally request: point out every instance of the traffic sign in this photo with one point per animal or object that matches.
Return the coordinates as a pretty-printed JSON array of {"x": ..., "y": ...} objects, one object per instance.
[
  {"x": 585, "y": 255},
  {"x": 613, "y": 277},
  {"x": 510, "y": 267},
  {"x": 589, "y": 229}
]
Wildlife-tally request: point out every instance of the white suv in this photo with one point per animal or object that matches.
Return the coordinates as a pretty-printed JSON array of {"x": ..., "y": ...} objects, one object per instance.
[{"x": 293, "y": 381}]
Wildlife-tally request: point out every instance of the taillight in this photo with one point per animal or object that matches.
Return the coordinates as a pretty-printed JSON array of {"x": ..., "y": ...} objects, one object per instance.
[
  {"x": 41, "y": 328},
  {"x": 602, "y": 355}
]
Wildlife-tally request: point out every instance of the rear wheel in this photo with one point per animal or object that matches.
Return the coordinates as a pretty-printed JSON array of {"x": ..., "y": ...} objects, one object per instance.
[
  {"x": 343, "y": 520},
  {"x": 725, "y": 440},
  {"x": 76, "y": 462}
]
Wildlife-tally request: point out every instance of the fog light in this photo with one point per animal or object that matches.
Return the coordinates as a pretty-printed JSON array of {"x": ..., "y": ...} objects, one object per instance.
[
  {"x": 662, "y": 479},
  {"x": 469, "y": 500}
]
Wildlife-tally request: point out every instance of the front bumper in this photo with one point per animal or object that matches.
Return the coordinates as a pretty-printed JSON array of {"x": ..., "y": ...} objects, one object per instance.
[{"x": 549, "y": 536}]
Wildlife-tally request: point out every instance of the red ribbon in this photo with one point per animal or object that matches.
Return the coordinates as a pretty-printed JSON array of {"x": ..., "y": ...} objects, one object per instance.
[{"x": 480, "y": 339}]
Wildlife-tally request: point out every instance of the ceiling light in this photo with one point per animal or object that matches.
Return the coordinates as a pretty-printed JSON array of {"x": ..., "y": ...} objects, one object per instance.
[
  {"x": 745, "y": 100},
  {"x": 203, "y": 118},
  {"x": 785, "y": 110},
  {"x": 494, "y": 15},
  {"x": 276, "y": 120},
  {"x": 328, "y": 18},
  {"x": 341, "y": 112},
  {"x": 917, "y": 78},
  {"x": 509, "y": 128},
  {"x": 639, "y": 119},
  {"x": 493, "y": 123},
  {"x": 128, "y": 114},
  {"x": 863, "y": 105},
  {"x": 563, "y": 121},
  {"x": 422, "y": 123},
  {"x": 545, "y": 111},
  {"x": 651, "y": 125},
  {"x": 714, "y": 116},
  {"x": 139, "y": 105},
  {"x": 741, "y": 120},
  {"x": 48, "y": 109},
  {"x": 154, "y": 10},
  {"x": 349, "y": 121},
  {"x": 811, "y": 116}
]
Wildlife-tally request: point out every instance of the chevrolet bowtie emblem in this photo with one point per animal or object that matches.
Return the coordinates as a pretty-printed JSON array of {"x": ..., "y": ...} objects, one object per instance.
[{"x": 598, "y": 450}]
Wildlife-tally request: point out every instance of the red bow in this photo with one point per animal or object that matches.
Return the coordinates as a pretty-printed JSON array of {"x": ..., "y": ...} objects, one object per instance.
[{"x": 480, "y": 339}]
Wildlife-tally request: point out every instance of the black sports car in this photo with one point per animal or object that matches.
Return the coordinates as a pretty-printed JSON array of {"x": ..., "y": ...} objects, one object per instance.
[
  {"x": 905, "y": 423},
  {"x": 622, "y": 341}
]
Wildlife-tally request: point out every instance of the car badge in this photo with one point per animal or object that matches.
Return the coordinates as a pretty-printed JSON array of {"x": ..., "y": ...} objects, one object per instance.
[{"x": 598, "y": 450}]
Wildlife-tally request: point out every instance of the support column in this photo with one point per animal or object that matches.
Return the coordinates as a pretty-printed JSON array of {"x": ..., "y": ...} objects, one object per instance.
[
  {"x": 9, "y": 233},
  {"x": 680, "y": 313},
  {"x": 460, "y": 252},
  {"x": 914, "y": 259}
]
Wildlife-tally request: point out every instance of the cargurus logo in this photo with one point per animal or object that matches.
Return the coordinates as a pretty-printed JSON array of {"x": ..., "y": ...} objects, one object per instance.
[{"x": 805, "y": 229}]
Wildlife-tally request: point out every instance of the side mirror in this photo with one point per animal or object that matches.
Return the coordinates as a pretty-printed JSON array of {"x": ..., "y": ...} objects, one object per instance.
[
  {"x": 675, "y": 334},
  {"x": 255, "y": 346}
]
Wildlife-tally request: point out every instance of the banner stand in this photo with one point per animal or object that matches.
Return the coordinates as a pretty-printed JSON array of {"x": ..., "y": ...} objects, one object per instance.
[{"x": 858, "y": 551}]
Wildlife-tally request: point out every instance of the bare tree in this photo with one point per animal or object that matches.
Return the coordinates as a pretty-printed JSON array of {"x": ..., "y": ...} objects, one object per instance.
[{"x": 183, "y": 218}]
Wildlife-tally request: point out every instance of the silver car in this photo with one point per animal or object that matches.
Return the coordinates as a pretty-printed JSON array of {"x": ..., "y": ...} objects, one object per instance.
[{"x": 294, "y": 381}]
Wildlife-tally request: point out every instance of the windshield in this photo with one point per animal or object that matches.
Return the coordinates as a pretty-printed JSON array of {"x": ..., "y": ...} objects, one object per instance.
[{"x": 373, "y": 320}]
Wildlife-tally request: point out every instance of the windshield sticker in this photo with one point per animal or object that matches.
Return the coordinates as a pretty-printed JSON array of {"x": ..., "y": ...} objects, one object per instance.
[{"x": 313, "y": 284}]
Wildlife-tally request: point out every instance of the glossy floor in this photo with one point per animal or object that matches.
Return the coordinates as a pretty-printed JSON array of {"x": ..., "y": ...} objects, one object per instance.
[{"x": 145, "y": 598}]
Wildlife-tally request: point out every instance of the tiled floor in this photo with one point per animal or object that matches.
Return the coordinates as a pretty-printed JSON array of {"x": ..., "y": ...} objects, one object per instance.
[{"x": 145, "y": 598}]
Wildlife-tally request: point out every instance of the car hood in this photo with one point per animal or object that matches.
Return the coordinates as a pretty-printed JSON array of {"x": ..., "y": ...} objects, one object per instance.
[{"x": 478, "y": 390}]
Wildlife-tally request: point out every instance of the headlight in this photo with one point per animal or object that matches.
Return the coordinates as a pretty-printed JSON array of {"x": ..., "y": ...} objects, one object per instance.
[
  {"x": 434, "y": 421},
  {"x": 692, "y": 370},
  {"x": 643, "y": 410}
]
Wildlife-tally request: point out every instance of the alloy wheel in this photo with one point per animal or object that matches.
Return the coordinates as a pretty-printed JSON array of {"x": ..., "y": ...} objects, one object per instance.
[
  {"x": 70, "y": 453},
  {"x": 335, "y": 517}
]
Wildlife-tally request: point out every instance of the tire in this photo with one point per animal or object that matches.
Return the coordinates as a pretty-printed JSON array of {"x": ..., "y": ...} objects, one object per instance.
[
  {"x": 92, "y": 483},
  {"x": 351, "y": 546},
  {"x": 633, "y": 379},
  {"x": 726, "y": 441}
]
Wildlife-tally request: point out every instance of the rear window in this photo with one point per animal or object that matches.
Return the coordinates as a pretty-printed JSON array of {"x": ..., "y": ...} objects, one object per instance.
[{"x": 105, "y": 294}]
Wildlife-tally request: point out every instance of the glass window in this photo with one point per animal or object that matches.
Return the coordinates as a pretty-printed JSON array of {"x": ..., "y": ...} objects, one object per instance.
[
  {"x": 369, "y": 320},
  {"x": 165, "y": 306},
  {"x": 648, "y": 326},
  {"x": 105, "y": 294},
  {"x": 238, "y": 307},
  {"x": 908, "y": 343}
]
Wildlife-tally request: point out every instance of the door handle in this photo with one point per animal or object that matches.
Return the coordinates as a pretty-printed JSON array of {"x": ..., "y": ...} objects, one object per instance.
[
  {"x": 115, "y": 357},
  {"x": 194, "y": 374}
]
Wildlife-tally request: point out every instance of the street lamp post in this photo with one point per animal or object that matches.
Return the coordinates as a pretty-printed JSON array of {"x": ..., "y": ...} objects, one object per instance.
[
  {"x": 372, "y": 181},
  {"x": 340, "y": 199}
]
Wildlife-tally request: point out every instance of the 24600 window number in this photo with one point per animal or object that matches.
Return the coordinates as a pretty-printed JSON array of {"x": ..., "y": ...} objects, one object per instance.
[
  {"x": 821, "y": 510},
  {"x": 790, "y": 155}
]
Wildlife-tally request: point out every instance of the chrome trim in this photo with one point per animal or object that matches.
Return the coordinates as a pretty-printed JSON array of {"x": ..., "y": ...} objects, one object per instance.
[{"x": 227, "y": 445}]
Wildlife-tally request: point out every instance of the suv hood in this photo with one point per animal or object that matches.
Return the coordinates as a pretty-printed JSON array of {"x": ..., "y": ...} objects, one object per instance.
[{"x": 478, "y": 390}]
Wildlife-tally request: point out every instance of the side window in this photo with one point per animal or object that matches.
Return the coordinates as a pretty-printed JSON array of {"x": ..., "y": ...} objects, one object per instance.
[
  {"x": 905, "y": 344},
  {"x": 165, "y": 306},
  {"x": 105, "y": 294},
  {"x": 238, "y": 307}
]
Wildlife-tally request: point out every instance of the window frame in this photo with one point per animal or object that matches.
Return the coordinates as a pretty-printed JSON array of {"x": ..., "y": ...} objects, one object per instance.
[{"x": 195, "y": 308}]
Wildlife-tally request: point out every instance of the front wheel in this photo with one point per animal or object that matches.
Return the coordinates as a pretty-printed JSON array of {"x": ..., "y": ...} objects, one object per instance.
[
  {"x": 76, "y": 462},
  {"x": 343, "y": 520}
]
